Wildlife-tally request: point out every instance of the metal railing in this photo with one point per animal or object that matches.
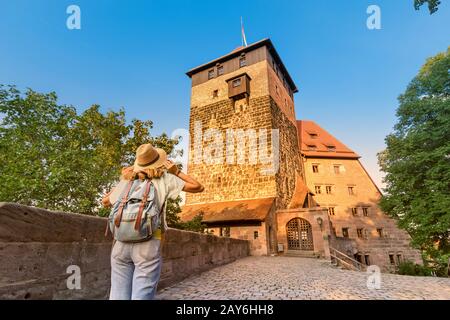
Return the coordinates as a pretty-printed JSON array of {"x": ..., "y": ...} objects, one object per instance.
[{"x": 340, "y": 258}]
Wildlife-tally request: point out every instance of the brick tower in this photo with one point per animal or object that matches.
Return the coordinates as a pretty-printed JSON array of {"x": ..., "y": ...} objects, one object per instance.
[{"x": 250, "y": 90}]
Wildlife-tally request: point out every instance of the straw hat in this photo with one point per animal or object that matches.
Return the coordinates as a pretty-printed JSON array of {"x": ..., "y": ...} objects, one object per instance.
[{"x": 149, "y": 157}]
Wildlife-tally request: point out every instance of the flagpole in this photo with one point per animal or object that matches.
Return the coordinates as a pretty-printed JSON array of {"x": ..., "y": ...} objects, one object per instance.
[{"x": 242, "y": 28}]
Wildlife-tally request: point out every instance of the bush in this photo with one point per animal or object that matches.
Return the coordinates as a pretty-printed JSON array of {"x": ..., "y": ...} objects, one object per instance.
[{"x": 413, "y": 269}]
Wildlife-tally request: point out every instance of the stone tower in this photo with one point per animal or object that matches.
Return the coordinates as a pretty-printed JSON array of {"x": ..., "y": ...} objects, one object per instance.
[{"x": 243, "y": 128}]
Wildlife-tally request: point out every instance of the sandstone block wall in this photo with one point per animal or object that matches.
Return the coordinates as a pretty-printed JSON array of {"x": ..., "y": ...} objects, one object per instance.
[
  {"x": 229, "y": 182},
  {"x": 37, "y": 246}
]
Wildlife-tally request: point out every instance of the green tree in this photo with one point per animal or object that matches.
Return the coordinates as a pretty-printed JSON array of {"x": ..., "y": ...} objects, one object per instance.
[
  {"x": 433, "y": 5},
  {"x": 417, "y": 161},
  {"x": 55, "y": 158},
  {"x": 174, "y": 221}
]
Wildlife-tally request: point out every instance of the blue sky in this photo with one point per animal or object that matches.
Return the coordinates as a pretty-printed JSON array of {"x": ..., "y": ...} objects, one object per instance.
[{"x": 134, "y": 54}]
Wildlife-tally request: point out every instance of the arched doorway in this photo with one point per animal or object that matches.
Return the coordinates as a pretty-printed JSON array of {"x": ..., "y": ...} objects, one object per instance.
[{"x": 299, "y": 234}]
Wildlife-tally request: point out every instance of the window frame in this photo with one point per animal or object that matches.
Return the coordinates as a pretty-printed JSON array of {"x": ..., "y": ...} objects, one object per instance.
[
  {"x": 220, "y": 70},
  {"x": 345, "y": 232},
  {"x": 351, "y": 190},
  {"x": 233, "y": 83},
  {"x": 210, "y": 74},
  {"x": 360, "y": 233},
  {"x": 365, "y": 211},
  {"x": 380, "y": 232},
  {"x": 242, "y": 61},
  {"x": 318, "y": 189},
  {"x": 338, "y": 167},
  {"x": 331, "y": 211}
]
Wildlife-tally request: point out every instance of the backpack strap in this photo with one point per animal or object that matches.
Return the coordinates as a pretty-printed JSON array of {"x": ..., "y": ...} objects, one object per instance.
[
  {"x": 124, "y": 200},
  {"x": 144, "y": 201}
]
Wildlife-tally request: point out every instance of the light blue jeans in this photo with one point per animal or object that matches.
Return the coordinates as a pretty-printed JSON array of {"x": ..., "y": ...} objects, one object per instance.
[{"x": 135, "y": 270}]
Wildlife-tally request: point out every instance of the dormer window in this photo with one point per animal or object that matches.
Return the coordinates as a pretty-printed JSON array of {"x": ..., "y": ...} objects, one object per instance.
[
  {"x": 210, "y": 74},
  {"x": 313, "y": 135},
  {"x": 312, "y": 147},
  {"x": 331, "y": 148},
  {"x": 242, "y": 62}
]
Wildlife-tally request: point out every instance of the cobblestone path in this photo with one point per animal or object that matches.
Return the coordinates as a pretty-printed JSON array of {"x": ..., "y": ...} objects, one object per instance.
[{"x": 288, "y": 278}]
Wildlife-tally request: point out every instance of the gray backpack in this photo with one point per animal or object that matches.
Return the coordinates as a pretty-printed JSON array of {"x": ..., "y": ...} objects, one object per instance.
[{"x": 137, "y": 214}]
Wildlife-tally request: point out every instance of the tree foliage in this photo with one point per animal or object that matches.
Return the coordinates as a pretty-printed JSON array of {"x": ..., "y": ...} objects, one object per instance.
[
  {"x": 433, "y": 5},
  {"x": 417, "y": 160},
  {"x": 174, "y": 221},
  {"x": 55, "y": 158}
]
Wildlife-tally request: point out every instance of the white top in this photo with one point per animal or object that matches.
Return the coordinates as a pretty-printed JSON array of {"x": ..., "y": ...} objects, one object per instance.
[{"x": 168, "y": 185}]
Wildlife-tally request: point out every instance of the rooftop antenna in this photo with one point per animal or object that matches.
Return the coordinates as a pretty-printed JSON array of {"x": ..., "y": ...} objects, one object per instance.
[{"x": 244, "y": 40}]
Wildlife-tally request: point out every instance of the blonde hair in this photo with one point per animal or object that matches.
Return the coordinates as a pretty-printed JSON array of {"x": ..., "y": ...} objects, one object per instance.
[{"x": 129, "y": 174}]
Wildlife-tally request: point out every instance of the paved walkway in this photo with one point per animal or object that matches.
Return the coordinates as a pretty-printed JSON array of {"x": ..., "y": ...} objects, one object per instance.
[{"x": 288, "y": 278}]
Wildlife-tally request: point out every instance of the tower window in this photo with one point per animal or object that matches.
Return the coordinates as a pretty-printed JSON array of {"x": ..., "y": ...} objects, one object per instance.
[
  {"x": 219, "y": 70},
  {"x": 355, "y": 211},
  {"x": 210, "y": 74},
  {"x": 242, "y": 62},
  {"x": 345, "y": 232},
  {"x": 236, "y": 83},
  {"x": 215, "y": 93},
  {"x": 255, "y": 235},
  {"x": 315, "y": 168},
  {"x": 318, "y": 189},
  {"x": 328, "y": 189}
]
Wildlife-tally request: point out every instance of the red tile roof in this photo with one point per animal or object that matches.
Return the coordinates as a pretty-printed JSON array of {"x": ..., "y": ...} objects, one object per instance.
[
  {"x": 300, "y": 193},
  {"x": 317, "y": 142},
  {"x": 241, "y": 210}
]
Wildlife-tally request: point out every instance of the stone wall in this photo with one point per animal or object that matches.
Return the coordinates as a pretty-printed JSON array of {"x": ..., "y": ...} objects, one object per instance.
[
  {"x": 228, "y": 182},
  {"x": 37, "y": 246}
]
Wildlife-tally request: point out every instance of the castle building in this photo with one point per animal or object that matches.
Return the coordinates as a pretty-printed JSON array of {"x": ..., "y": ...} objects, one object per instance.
[
  {"x": 256, "y": 160},
  {"x": 341, "y": 185}
]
